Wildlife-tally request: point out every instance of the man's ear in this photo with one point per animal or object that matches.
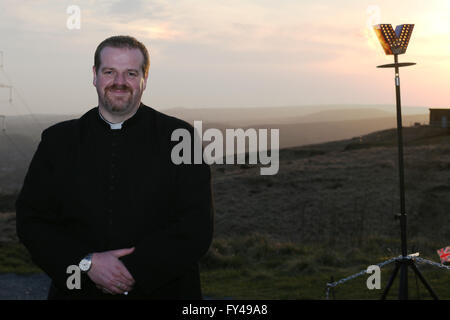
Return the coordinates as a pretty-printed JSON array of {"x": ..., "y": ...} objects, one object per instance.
[
  {"x": 94, "y": 82},
  {"x": 145, "y": 83}
]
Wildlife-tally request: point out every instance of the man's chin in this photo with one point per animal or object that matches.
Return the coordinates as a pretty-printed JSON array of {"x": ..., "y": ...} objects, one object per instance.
[{"x": 118, "y": 107}]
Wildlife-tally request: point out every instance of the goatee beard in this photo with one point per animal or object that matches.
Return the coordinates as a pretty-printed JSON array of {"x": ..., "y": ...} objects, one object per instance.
[{"x": 121, "y": 106}]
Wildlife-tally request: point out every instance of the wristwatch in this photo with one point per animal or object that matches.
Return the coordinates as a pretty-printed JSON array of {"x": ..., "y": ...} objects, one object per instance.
[{"x": 85, "y": 263}]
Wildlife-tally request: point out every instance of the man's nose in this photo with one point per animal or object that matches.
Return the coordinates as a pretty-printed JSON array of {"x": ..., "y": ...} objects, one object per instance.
[{"x": 119, "y": 79}]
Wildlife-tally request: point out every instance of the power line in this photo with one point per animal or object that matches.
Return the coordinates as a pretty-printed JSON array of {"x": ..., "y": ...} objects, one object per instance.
[
  {"x": 10, "y": 101},
  {"x": 11, "y": 87}
]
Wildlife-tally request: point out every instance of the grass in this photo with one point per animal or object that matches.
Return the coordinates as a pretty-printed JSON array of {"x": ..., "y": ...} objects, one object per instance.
[
  {"x": 14, "y": 258},
  {"x": 328, "y": 213},
  {"x": 7, "y": 202},
  {"x": 255, "y": 267},
  {"x": 412, "y": 136}
]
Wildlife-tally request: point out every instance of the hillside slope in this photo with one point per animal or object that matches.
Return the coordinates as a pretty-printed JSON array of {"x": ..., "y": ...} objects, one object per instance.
[{"x": 341, "y": 192}]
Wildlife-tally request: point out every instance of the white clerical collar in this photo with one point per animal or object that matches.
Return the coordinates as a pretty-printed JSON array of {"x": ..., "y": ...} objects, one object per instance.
[{"x": 113, "y": 126}]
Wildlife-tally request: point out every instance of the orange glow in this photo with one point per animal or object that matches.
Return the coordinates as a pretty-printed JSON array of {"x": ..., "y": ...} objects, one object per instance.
[
  {"x": 161, "y": 31},
  {"x": 394, "y": 42}
]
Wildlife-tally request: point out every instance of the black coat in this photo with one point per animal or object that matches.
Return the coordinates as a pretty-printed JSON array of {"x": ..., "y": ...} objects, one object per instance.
[{"x": 91, "y": 189}]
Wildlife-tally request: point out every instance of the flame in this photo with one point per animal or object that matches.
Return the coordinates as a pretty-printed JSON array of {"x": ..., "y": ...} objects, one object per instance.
[
  {"x": 373, "y": 18},
  {"x": 371, "y": 38}
]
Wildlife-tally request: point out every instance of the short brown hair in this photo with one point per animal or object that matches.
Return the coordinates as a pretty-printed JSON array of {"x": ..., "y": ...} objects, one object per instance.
[{"x": 123, "y": 42}]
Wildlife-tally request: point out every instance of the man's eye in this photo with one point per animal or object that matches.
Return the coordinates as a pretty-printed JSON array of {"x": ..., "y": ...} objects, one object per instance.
[
  {"x": 107, "y": 72},
  {"x": 132, "y": 74}
]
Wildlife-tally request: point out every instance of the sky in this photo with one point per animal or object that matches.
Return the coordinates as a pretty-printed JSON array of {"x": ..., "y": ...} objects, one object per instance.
[{"x": 225, "y": 53}]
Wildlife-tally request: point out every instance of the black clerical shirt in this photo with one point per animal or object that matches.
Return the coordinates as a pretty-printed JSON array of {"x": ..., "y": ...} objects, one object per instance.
[{"x": 90, "y": 188}]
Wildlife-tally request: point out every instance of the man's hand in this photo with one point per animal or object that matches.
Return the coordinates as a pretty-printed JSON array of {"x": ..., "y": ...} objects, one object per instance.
[{"x": 109, "y": 273}]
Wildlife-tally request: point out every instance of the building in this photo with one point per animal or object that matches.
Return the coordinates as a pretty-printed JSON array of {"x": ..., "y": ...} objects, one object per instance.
[{"x": 440, "y": 117}]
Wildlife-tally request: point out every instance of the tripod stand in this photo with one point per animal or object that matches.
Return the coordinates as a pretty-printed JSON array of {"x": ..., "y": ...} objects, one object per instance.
[{"x": 405, "y": 262}]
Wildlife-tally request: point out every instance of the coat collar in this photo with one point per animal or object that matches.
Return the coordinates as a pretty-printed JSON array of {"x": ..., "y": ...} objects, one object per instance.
[
  {"x": 133, "y": 120},
  {"x": 114, "y": 126}
]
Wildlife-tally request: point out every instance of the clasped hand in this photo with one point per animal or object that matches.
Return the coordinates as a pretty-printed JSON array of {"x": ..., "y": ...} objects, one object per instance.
[{"x": 109, "y": 273}]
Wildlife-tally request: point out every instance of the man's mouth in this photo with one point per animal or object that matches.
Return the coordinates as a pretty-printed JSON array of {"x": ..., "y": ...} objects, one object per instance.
[{"x": 117, "y": 91}]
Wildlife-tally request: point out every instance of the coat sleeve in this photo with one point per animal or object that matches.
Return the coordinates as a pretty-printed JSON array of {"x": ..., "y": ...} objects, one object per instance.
[
  {"x": 165, "y": 255},
  {"x": 50, "y": 243}
]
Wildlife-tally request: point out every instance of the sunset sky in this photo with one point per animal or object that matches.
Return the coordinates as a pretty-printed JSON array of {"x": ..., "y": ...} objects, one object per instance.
[{"x": 230, "y": 53}]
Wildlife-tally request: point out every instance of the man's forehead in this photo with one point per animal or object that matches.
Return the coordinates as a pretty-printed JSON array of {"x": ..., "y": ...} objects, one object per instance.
[{"x": 112, "y": 55}]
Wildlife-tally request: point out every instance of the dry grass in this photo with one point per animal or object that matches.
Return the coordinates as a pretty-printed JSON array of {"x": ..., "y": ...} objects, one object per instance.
[
  {"x": 329, "y": 211},
  {"x": 330, "y": 194},
  {"x": 8, "y": 227}
]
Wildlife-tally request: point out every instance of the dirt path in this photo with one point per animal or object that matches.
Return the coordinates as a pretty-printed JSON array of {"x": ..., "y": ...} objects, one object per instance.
[
  {"x": 30, "y": 287},
  {"x": 24, "y": 287}
]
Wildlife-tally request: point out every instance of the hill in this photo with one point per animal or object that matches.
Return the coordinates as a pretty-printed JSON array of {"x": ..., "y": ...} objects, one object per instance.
[
  {"x": 237, "y": 117},
  {"x": 19, "y": 141},
  {"x": 330, "y": 211},
  {"x": 347, "y": 187},
  {"x": 341, "y": 192}
]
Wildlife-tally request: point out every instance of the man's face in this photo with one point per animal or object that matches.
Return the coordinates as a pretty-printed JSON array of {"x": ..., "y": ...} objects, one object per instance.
[{"x": 120, "y": 81}]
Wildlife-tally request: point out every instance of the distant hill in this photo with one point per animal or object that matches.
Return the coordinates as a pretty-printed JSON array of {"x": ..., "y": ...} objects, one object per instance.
[
  {"x": 343, "y": 192},
  {"x": 343, "y": 115},
  {"x": 16, "y": 152},
  {"x": 329, "y": 212},
  {"x": 291, "y": 114},
  {"x": 298, "y": 127},
  {"x": 303, "y": 133}
]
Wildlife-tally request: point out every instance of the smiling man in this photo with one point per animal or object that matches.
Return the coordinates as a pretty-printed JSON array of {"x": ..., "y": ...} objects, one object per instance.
[
  {"x": 120, "y": 80},
  {"x": 102, "y": 193}
]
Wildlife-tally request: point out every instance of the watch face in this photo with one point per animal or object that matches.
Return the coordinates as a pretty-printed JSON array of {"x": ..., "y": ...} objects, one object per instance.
[{"x": 85, "y": 264}]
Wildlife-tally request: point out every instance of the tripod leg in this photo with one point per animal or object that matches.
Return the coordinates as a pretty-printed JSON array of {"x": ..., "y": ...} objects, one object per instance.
[
  {"x": 425, "y": 283},
  {"x": 403, "y": 288},
  {"x": 391, "y": 280}
]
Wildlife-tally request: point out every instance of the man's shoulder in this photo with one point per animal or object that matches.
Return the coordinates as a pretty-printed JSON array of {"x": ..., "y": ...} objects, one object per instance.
[
  {"x": 63, "y": 125},
  {"x": 164, "y": 123},
  {"x": 62, "y": 128},
  {"x": 168, "y": 122}
]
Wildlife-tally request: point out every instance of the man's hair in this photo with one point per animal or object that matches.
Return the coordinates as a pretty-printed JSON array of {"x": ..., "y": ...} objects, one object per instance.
[{"x": 123, "y": 42}]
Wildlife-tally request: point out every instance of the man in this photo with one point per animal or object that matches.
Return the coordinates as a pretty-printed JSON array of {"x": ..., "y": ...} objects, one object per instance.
[{"x": 102, "y": 193}]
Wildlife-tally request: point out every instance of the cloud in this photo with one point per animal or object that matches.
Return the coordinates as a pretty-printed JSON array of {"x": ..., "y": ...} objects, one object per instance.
[{"x": 127, "y": 11}]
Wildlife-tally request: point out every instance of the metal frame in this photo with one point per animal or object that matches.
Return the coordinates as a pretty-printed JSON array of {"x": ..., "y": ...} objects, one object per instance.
[{"x": 395, "y": 43}]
